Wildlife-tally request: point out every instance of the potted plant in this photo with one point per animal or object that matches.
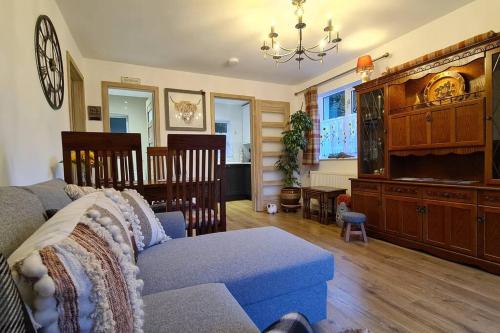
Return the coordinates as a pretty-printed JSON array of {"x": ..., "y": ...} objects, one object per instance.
[{"x": 293, "y": 141}]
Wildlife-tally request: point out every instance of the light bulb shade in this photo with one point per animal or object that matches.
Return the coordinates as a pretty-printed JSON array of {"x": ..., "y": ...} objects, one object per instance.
[
  {"x": 365, "y": 63},
  {"x": 299, "y": 11}
]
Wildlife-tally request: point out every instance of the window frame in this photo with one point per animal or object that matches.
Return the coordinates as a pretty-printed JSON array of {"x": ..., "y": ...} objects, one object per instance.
[{"x": 349, "y": 111}]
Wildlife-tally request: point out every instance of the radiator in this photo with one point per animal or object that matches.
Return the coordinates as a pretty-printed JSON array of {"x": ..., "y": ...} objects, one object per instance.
[{"x": 321, "y": 178}]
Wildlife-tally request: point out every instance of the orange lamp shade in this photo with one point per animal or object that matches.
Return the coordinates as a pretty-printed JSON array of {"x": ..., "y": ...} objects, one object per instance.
[{"x": 365, "y": 63}]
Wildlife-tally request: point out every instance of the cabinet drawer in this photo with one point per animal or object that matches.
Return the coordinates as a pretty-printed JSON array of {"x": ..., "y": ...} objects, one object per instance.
[
  {"x": 365, "y": 186},
  {"x": 403, "y": 190},
  {"x": 450, "y": 194},
  {"x": 489, "y": 198}
]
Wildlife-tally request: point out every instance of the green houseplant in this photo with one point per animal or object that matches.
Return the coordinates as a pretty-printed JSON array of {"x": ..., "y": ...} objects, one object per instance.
[{"x": 294, "y": 140}]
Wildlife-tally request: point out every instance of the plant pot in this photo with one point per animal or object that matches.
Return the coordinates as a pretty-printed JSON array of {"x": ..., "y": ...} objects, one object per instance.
[{"x": 290, "y": 196}]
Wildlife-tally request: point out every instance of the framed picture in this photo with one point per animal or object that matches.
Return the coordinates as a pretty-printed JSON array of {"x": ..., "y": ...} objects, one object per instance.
[{"x": 185, "y": 110}]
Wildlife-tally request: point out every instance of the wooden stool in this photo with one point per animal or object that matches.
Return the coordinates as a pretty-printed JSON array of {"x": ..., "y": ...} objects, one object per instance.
[{"x": 350, "y": 219}]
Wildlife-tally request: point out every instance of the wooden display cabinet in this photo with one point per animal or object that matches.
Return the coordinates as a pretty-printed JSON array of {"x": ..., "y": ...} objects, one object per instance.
[
  {"x": 492, "y": 83},
  {"x": 372, "y": 150},
  {"x": 489, "y": 233},
  {"x": 451, "y": 226},
  {"x": 403, "y": 217},
  {"x": 427, "y": 168},
  {"x": 366, "y": 199},
  {"x": 456, "y": 125}
]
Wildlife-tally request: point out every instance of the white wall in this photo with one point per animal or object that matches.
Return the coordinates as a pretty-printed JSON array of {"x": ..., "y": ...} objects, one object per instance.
[
  {"x": 135, "y": 110},
  {"x": 30, "y": 131},
  {"x": 239, "y": 128},
  {"x": 98, "y": 71},
  {"x": 475, "y": 18}
]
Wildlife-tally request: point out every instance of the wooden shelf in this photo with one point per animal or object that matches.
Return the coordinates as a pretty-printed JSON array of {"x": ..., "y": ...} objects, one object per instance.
[
  {"x": 271, "y": 154},
  {"x": 273, "y": 124},
  {"x": 271, "y": 139}
]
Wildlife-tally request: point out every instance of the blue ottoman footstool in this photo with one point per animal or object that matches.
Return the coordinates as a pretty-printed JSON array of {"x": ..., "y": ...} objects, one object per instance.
[{"x": 350, "y": 219}]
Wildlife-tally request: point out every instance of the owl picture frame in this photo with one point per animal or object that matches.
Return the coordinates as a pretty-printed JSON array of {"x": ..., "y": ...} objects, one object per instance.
[{"x": 185, "y": 110}]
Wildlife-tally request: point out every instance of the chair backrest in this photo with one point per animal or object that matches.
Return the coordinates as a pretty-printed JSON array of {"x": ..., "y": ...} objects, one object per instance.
[
  {"x": 103, "y": 159},
  {"x": 195, "y": 180},
  {"x": 157, "y": 164}
]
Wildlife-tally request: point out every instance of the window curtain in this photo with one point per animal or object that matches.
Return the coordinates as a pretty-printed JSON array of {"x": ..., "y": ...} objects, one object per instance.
[{"x": 311, "y": 153}]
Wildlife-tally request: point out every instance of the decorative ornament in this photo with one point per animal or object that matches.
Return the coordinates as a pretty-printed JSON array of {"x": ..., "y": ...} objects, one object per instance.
[
  {"x": 49, "y": 62},
  {"x": 186, "y": 110}
]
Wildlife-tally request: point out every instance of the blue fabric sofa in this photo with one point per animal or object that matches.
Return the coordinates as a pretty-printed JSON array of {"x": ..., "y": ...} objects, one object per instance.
[
  {"x": 267, "y": 270},
  {"x": 235, "y": 281}
]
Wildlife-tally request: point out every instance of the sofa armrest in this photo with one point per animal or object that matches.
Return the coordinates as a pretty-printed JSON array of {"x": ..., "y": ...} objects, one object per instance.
[{"x": 173, "y": 223}]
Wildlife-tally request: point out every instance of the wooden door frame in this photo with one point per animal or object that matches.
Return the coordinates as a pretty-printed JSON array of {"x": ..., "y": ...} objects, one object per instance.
[
  {"x": 254, "y": 167},
  {"x": 106, "y": 85},
  {"x": 71, "y": 65}
]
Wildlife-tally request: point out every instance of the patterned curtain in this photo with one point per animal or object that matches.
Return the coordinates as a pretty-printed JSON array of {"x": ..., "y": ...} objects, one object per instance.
[{"x": 311, "y": 154}]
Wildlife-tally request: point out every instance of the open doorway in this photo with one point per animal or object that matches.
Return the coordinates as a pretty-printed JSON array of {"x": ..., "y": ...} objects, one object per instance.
[
  {"x": 76, "y": 96},
  {"x": 232, "y": 117},
  {"x": 132, "y": 109}
]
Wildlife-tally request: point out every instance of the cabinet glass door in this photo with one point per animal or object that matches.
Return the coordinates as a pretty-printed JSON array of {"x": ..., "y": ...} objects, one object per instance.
[
  {"x": 372, "y": 133},
  {"x": 493, "y": 114}
]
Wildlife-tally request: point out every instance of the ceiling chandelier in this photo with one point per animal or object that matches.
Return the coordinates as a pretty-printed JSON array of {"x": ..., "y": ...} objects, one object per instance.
[{"x": 317, "y": 52}]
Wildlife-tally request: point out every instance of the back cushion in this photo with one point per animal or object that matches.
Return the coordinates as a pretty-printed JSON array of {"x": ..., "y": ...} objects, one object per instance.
[
  {"x": 51, "y": 194},
  {"x": 21, "y": 214},
  {"x": 77, "y": 272}
]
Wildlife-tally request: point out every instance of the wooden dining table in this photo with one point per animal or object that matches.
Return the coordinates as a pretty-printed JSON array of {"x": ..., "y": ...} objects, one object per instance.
[
  {"x": 154, "y": 192},
  {"x": 157, "y": 191}
]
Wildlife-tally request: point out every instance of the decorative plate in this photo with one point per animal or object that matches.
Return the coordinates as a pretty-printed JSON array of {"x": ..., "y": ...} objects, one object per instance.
[{"x": 443, "y": 86}]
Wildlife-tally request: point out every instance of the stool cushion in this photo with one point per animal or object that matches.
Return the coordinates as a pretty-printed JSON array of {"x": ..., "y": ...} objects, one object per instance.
[{"x": 353, "y": 217}]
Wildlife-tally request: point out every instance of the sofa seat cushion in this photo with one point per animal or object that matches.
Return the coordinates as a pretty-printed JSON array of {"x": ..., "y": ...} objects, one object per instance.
[
  {"x": 254, "y": 264},
  {"x": 203, "y": 308}
]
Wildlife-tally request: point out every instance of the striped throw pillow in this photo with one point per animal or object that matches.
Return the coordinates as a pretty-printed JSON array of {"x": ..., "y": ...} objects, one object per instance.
[
  {"x": 13, "y": 317},
  {"x": 151, "y": 228},
  {"x": 76, "y": 273}
]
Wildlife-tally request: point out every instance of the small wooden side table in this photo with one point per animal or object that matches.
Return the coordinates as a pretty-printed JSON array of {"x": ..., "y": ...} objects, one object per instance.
[{"x": 324, "y": 195}]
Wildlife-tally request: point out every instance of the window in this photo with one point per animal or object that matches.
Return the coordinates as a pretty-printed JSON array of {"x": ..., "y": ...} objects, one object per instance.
[
  {"x": 334, "y": 105},
  {"x": 222, "y": 128},
  {"x": 338, "y": 123}
]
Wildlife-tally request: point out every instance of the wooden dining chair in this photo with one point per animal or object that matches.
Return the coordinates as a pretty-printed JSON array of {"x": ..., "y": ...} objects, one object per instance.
[
  {"x": 195, "y": 181},
  {"x": 103, "y": 159},
  {"x": 157, "y": 164}
]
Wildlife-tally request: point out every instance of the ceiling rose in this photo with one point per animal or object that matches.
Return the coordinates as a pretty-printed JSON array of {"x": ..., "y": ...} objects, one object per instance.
[{"x": 280, "y": 54}]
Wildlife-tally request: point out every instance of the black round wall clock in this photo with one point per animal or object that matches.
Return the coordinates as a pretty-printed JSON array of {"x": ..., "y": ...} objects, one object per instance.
[{"x": 49, "y": 62}]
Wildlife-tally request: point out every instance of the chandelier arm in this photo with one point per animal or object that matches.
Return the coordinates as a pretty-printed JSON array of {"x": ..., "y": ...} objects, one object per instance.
[
  {"x": 281, "y": 55},
  {"x": 288, "y": 50},
  {"x": 311, "y": 50},
  {"x": 310, "y": 58},
  {"x": 315, "y": 46},
  {"x": 287, "y": 60}
]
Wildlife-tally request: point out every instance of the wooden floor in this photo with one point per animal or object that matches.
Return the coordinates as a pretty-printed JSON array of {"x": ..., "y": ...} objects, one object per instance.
[{"x": 386, "y": 288}]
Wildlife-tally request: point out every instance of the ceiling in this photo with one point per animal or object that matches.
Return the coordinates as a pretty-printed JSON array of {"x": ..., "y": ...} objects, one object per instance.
[{"x": 201, "y": 35}]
